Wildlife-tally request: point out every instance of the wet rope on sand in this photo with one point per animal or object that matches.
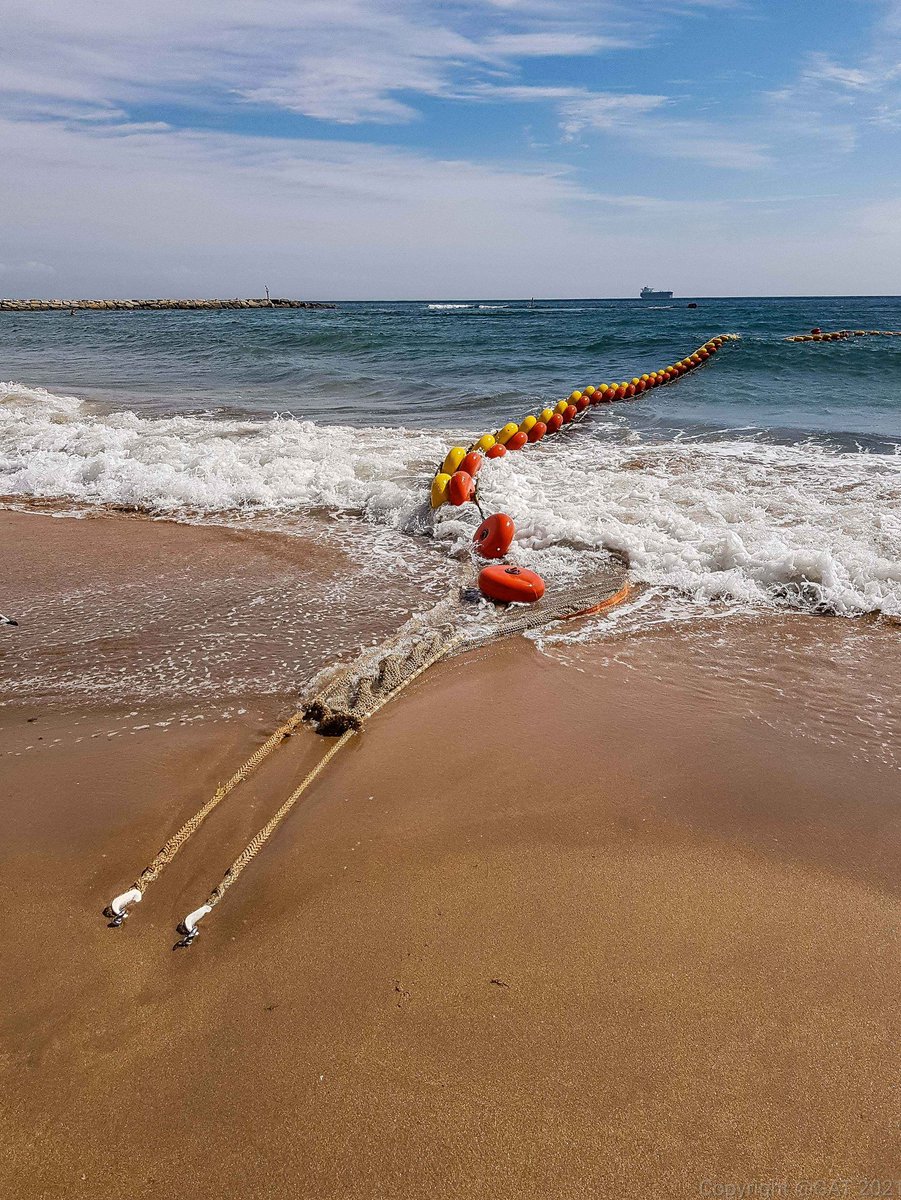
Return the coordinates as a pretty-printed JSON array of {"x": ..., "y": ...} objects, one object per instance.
[{"x": 345, "y": 699}]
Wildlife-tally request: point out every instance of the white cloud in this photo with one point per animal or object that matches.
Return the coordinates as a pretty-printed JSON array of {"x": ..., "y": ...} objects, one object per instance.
[{"x": 644, "y": 120}]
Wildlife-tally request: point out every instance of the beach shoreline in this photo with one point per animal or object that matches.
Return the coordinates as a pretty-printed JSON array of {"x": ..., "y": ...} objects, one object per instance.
[{"x": 554, "y": 924}]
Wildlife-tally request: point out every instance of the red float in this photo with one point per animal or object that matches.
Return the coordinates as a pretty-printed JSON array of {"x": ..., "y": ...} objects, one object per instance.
[
  {"x": 471, "y": 464},
  {"x": 511, "y": 585},
  {"x": 554, "y": 423},
  {"x": 461, "y": 488},
  {"x": 493, "y": 537},
  {"x": 496, "y": 451},
  {"x": 569, "y": 413},
  {"x": 537, "y": 432},
  {"x": 517, "y": 441}
]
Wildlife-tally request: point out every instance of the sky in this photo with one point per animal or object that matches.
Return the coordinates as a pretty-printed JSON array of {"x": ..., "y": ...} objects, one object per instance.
[{"x": 456, "y": 149}]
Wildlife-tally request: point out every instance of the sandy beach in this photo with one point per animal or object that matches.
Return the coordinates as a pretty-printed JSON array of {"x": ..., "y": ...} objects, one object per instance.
[{"x": 589, "y": 922}]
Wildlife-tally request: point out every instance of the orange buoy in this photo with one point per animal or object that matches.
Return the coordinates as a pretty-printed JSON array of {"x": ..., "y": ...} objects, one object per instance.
[
  {"x": 537, "y": 432},
  {"x": 461, "y": 488},
  {"x": 494, "y": 536},
  {"x": 569, "y": 413},
  {"x": 517, "y": 441},
  {"x": 472, "y": 463},
  {"x": 620, "y": 392},
  {"x": 582, "y": 403},
  {"x": 511, "y": 585},
  {"x": 630, "y": 391},
  {"x": 498, "y": 450},
  {"x": 554, "y": 422}
]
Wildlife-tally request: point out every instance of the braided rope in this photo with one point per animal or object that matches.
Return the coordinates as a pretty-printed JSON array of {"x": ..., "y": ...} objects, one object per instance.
[
  {"x": 152, "y": 872},
  {"x": 256, "y": 844}
]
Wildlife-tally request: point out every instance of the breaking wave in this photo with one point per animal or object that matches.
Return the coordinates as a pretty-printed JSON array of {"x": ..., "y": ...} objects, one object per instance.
[{"x": 737, "y": 520}]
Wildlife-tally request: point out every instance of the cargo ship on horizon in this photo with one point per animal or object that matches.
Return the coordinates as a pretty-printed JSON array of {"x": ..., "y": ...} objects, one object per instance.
[{"x": 647, "y": 293}]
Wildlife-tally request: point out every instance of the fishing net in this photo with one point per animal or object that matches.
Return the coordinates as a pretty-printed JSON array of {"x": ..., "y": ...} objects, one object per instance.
[{"x": 345, "y": 697}]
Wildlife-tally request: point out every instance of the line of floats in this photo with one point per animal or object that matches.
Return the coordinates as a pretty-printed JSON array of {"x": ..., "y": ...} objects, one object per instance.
[
  {"x": 456, "y": 480},
  {"x": 841, "y": 335}
]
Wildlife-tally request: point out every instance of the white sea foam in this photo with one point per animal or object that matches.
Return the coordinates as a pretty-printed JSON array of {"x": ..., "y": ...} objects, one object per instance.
[
  {"x": 741, "y": 521},
  {"x": 53, "y": 446},
  {"x": 449, "y": 306}
]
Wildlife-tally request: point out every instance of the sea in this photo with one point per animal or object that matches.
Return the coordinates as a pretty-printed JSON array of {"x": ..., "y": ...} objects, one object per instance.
[{"x": 766, "y": 482}]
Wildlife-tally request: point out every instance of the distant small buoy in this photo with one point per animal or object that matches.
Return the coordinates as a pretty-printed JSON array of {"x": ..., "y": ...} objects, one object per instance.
[
  {"x": 494, "y": 536},
  {"x": 461, "y": 488},
  {"x": 497, "y": 451},
  {"x": 472, "y": 463},
  {"x": 439, "y": 489},
  {"x": 503, "y": 435},
  {"x": 511, "y": 585},
  {"x": 692, "y": 305},
  {"x": 518, "y": 440},
  {"x": 537, "y": 432},
  {"x": 455, "y": 456}
]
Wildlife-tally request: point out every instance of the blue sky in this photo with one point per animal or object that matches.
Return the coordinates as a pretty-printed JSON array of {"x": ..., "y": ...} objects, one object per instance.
[{"x": 468, "y": 148}]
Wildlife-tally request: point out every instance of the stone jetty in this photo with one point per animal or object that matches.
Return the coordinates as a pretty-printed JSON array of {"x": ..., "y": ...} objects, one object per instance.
[{"x": 143, "y": 305}]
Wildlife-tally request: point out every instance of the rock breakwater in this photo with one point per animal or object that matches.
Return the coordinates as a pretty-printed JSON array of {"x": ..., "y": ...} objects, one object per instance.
[{"x": 143, "y": 305}]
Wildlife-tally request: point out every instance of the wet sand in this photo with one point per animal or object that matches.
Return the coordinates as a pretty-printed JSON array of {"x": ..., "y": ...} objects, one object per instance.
[{"x": 556, "y": 927}]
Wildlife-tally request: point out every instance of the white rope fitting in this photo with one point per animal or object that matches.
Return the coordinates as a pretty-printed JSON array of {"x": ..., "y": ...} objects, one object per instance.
[
  {"x": 188, "y": 928},
  {"x": 117, "y": 910}
]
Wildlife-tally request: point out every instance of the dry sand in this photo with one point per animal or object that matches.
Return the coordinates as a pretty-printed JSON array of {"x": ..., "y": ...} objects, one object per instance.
[{"x": 546, "y": 929}]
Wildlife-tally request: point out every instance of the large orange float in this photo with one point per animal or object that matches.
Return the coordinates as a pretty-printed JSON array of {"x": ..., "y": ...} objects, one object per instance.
[{"x": 511, "y": 585}]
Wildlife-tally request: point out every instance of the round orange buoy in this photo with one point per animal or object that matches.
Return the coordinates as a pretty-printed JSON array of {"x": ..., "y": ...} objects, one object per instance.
[
  {"x": 569, "y": 413},
  {"x": 494, "y": 536},
  {"x": 472, "y": 463},
  {"x": 630, "y": 391},
  {"x": 620, "y": 393},
  {"x": 582, "y": 403},
  {"x": 537, "y": 432},
  {"x": 461, "y": 488},
  {"x": 517, "y": 441},
  {"x": 497, "y": 451},
  {"x": 511, "y": 585},
  {"x": 554, "y": 422}
]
